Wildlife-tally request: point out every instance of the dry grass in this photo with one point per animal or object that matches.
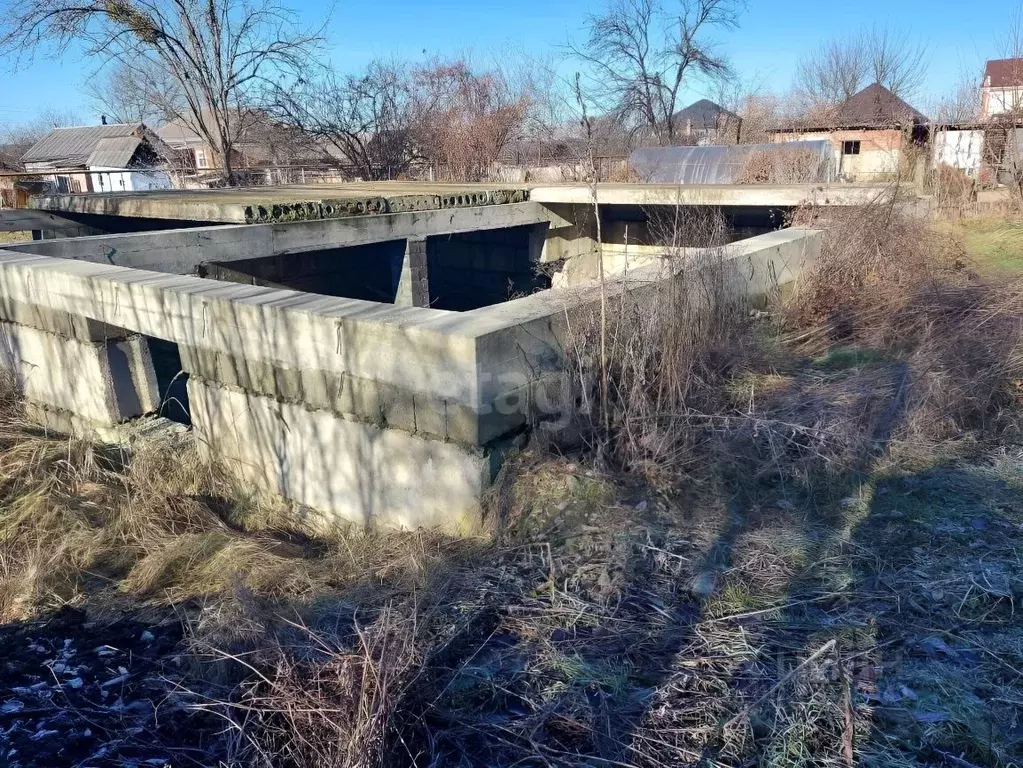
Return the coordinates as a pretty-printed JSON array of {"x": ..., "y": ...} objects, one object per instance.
[
  {"x": 669, "y": 354},
  {"x": 898, "y": 287},
  {"x": 14, "y": 237},
  {"x": 780, "y": 165},
  {"x": 771, "y": 552}
]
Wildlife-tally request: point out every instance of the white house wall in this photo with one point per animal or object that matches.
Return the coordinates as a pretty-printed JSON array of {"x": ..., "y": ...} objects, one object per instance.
[
  {"x": 1001, "y": 100},
  {"x": 124, "y": 180},
  {"x": 960, "y": 149}
]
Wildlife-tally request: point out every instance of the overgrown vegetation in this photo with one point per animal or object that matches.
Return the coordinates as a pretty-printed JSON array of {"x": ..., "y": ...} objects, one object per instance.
[{"x": 792, "y": 540}]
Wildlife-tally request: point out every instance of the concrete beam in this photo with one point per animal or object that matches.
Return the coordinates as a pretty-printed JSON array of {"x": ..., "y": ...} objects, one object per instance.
[
  {"x": 761, "y": 195},
  {"x": 182, "y": 251},
  {"x": 27, "y": 219}
]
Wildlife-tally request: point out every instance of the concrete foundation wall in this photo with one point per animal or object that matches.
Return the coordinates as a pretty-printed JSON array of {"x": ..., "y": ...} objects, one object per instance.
[
  {"x": 377, "y": 413},
  {"x": 357, "y": 471},
  {"x": 103, "y": 382},
  {"x": 520, "y": 345},
  {"x": 367, "y": 272},
  {"x": 182, "y": 251}
]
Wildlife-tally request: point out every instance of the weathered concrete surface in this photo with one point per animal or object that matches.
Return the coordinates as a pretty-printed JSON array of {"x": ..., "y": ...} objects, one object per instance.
[
  {"x": 414, "y": 280},
  {"x": 520, "y": 345},
  {"x": 766, "y": 195},
  {"x": 405, "y": 348},
  {"x": 27, "y": 219},
  {"x": 102, "y": 382},
  {"x": 352, "y": 397},
  {"x": 358, "y": 200},
  {"x": 59, "y": 323},
  {"x": 383, "y": 414},
  {"x": 355, "y": 470},
  {"x": 182, "y": 251},
  {"x": 283, "y": 204}
]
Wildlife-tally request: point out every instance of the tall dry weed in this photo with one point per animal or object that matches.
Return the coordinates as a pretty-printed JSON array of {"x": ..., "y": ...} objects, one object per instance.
[
  {"x": 670, "y": 347},
  {"x": 892, "y": 282},
  {"x": 325, "y": 698},
  {"x": 871, "y": 254}
]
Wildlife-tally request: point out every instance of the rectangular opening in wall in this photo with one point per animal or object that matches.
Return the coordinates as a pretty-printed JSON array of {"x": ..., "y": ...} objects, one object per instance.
[
  {"x": 170, "y": 380},
  {"x": 368, "y": 272},
  {"x": 850, "y": 147},
  {"x": 478, "y": 269}
]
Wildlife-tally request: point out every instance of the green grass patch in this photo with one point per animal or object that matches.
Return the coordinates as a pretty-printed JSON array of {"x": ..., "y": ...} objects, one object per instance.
[
  {"x": 844, "y": 358},
  {"x": 994, "y": 244}
]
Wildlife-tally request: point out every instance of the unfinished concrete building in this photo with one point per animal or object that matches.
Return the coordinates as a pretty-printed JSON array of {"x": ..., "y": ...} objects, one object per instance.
[{"x": 369, "y": 351}]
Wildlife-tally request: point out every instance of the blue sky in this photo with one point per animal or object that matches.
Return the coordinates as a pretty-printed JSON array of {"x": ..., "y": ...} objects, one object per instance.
[{"x": 764, "y": 49}]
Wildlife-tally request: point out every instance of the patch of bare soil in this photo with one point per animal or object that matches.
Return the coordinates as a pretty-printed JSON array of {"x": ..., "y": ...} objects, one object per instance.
[{"x": 99, "y": 693}]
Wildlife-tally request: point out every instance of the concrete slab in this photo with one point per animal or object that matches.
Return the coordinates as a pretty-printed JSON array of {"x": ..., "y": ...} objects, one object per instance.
[
  {"x": 283, "y": 204},
  {"x": 767, "y": 195},
  {"x": 182, "y": 251},
  {"x": 367, "y": 199}
]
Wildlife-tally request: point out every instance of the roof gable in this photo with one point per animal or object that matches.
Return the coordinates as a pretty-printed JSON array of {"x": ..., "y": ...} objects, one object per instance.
[
  {"x": 706, "y": 114},
  {"x": 1003, "y": 73},
  {"x": 114, "y": 152},
  {"x": 72, "y": 147},
  {"x": 179, "y": 133},
  {"x": 876, "y": 105}
]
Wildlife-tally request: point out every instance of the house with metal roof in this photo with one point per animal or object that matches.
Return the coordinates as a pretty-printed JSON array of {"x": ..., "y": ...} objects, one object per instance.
[
  {"x": 876, "y": 135},
  {"x": 123, "y": 157}
]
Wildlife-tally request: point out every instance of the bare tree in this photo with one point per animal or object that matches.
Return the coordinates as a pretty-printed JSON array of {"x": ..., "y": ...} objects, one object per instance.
[
  {"x": 830, "y": 74},
  {"x": 16, "y": 138},
  {"x": 124, "y": 94},
  {"x": 369, "y": 119},
  {"x": 217, "y": 52},
  {"x": 476, "y": 113},
  {"x": 642, "y": 55},
  {"x": 960, "y": 104}
]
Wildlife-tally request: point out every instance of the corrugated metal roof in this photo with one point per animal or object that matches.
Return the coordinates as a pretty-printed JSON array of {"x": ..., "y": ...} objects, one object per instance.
[
  {"x": 72, "y": 147},
  {"x": 114, "y": 152},
  {"x": 804, "y": 161}
]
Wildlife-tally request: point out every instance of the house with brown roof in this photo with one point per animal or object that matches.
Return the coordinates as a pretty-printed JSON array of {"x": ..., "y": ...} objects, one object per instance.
[
  {"x": 122, "y": 157},
  {"x": 705, "y": 122},
  {"x": 259, "y": 142},
  {"x": 1002, "y": 89},
  {"x": 876, "y": 136}
]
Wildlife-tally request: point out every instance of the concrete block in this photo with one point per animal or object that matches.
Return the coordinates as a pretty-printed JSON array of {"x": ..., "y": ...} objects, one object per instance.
[
  {"x": 102, "y": 382},
  {"x": 348, "y": 396},
  {"x": 356, "y": 471},
  {"x": 413, "y": 283},
  {"x": 55, "y": 321},
  {"x": 127, "y": 433}
]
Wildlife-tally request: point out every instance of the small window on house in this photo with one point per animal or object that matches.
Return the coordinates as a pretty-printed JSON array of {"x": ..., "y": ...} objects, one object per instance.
[
  {"x": 850, "y": 147},
  {"x": 200, "y": 159}
]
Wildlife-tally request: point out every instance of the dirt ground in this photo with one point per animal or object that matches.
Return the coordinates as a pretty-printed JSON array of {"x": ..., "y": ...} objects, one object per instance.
[{"x": 833, "y": 579}]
